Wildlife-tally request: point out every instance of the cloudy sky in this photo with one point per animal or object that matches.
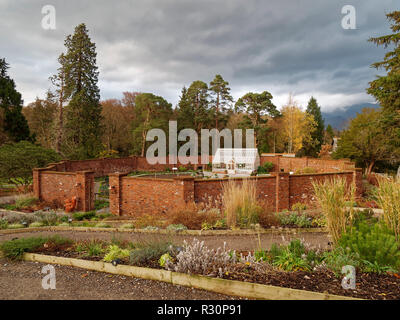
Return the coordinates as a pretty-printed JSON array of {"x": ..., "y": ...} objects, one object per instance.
[{"x": 158, "y": 46}]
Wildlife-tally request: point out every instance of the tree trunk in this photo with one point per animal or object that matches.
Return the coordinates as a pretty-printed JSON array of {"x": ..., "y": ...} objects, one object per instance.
[
  {"x": 370, "y": 167},
  {"x": 60, "y": 127},
  {"x": 217, "y": 112}
]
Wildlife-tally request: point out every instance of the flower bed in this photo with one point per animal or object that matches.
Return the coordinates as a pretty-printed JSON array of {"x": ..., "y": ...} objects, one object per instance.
[{"x": 292, "y": 266}]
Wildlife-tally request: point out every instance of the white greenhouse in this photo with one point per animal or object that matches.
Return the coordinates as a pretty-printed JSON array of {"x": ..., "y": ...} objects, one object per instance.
[{"x": 236, "y": 161}]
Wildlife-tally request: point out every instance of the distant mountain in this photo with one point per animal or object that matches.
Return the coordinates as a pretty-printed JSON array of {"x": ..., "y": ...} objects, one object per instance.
[{"x": 339, "y": 118}]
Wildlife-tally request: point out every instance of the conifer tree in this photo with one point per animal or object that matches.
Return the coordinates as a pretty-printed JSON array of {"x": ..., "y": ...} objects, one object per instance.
[
  {"x": 317, "y": 137},
  {"x": 83, "y": 128},
  {"x": 386, "y": 89},
  {"x": 193, "y": 107},
  {"x": 14, "y": 123},
  {"x": 220, "y": 93}
]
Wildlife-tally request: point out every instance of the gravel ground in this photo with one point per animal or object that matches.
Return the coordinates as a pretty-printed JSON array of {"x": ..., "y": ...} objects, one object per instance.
[
  {"x": 240, "y": 243},
  {"x": 22, "y": 281}
]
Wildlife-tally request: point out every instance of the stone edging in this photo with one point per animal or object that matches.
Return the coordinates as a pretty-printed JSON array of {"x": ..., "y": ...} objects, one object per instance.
[
  {"x": 163, "y": 231},
  {"x": 228, "y": 287}
]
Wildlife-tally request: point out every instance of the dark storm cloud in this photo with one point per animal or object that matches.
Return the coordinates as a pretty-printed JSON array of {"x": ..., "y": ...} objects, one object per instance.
[{"x": 159, "y": 46}]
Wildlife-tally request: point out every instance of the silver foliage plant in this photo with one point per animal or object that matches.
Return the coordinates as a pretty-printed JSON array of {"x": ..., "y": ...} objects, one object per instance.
[{"x": 196, "y": 258}]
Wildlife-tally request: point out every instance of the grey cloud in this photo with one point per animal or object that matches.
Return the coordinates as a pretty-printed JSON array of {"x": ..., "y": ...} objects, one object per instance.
[{"x": 159, "y": 46}]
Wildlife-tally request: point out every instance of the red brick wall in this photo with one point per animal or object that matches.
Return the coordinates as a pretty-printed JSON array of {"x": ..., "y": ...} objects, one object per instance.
[
  {"x": 136, "y": 196},
  {"x": 56, "y": 183},
  {"x": 210, "y": 191},
  {"x": 100, "y": 167},
  {"x": 301, "y": 189},
  {"x": 320, "y": 165},
  {"x": 55, "y": 187}
]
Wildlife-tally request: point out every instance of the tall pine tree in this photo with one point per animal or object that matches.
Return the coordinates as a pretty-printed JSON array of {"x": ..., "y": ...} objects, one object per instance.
[
  {"x": 317, "y": 137},
  {"x": 220, "y": 93},
  {"x": 83, "y": 127},
  {"x": 193, "y": 108},
  {"x": 257, "y": 107},
  {"x": 14, "y": 123},
  {"x": 386, "y": 89}
]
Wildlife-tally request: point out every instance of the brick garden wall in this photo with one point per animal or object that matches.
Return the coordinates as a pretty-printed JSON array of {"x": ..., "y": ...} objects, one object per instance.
[
  {"x": 288, "y": 164},
  {"x": 55, "y": 187},
  {"x": 129, "y": 195},
  {"x": 135, "y": 196}
]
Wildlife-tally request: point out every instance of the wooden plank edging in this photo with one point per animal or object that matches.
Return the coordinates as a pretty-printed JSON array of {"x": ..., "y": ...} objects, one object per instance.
[{"x": 228, "y": 287}]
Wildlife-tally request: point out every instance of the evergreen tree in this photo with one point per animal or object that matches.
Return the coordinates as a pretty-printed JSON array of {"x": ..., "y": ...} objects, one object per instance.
[
  {"x": 83, "y": 127},
  {"x": 58, "y": 81},
  {"x": 386, "y": 89},
  {"x": 317, "y": 137},
  {"x": 329, "y": 134},
  {"x": 150, "y": 112},
  {"x": 40, "y": 116},
  {"x": 193, "y": 110},
  {"x": 15, "y": 125},
  {"x": 257, "y": 107},
  {"x": 365, "y": 141},
  {"x": 220, "y": 93}
]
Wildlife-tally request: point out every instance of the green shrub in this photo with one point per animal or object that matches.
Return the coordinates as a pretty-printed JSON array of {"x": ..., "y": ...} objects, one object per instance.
[
  {"x": 114, "y": 252},
  {"x": 374, "y": 243},
  {"x": 149, "y": 252},
  {"x": 103, "y": 215},
  {"x": 265, "y": 168},
  {"x": 336, "y": 259},
  {"x": 298, "y": 206},
  {"x": 102, "y": 225},
  {"x": 14, "y": 249},
  {"x": 262, "y": 255},
  {"x": 25, "y": 202},
  {"x": 79, "y": 216},
  {"x": 220, "y": 224},
  {"x": 64, "y": 224},
  {"x": 128, "y": 226},
  {"x": 92, "y": 248},
  {"x": 3, "y": 223},
  {"x": 206, "y": 226},
  {"x": 36, "y": 224},
  {"x": 306, "y": 170},
  {"x": 47, "y": 218},
  {"x": 293, "y": 257},
  {"x": 64, "y": 218},
  {"x": 100, "y": 204},
  {"x": 17, "y": 161},
  {"x": 15, "y": 226},
  {"x": 163, "y": 259},
  {"x": 318, "y": 221},
  {"x": 176, "y": 227},
  {"x": 294, "y": 219}
]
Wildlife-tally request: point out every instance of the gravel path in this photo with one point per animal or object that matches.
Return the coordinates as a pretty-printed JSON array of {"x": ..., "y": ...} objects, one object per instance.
[
  {"x": 238, "y": 242},
  {"x": 22, "y": 280}
]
